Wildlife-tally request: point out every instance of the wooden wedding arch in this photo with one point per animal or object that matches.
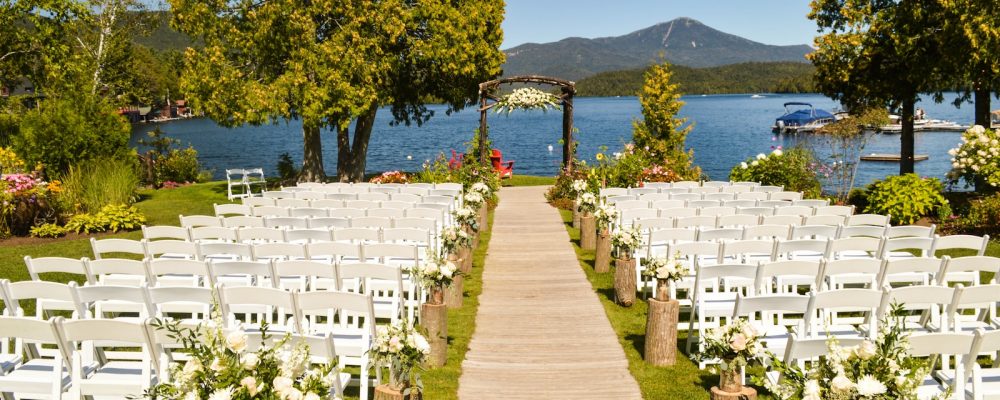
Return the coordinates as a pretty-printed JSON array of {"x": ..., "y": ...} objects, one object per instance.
[{"x": 488, "y": 92}]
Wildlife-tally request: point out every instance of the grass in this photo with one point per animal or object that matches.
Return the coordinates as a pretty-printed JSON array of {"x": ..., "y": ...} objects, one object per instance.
[
  {"x": 442, "y": 383},
  {"x": 529, "y": 180}
]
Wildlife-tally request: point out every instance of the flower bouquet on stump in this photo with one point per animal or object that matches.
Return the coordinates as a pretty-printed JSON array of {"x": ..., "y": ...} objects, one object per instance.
[
  {"x": 625, "y": 241},
  {"x": 467, "y": 218},
  {"x": 435, "y": 276},
  {"x": 222, "y": 365},
  {"x": 588, "y": 231},
  {"x": 401, "y": 350},
  {"x": 661, "y": 319},
  {"x": 880, "y": 369},
  {"x": 605, "y": 215},
  {"x": 475, "y": 198},
  {"x": 579, "y": 188},
  {"x": 734, "y": 345},
  {"x": 453, "y": 240}
]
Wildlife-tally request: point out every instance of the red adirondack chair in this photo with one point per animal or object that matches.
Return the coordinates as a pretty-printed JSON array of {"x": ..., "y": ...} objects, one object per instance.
[{"x": 504, "y": 168}]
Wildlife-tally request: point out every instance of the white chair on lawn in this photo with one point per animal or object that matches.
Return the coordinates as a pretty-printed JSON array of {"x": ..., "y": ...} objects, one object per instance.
[
  {"x": 257, "y": 235},
  {"x": 872, "y": 231},
  {"x": 27, "y": 372},
  {"x": 924, "y": 306},
  {"x": 974, "y": 307},
  {"x": 333, "y": 252},
  {"x": 383, "y": 283},
  {"x": 117, "y": 246},
  {"x": 172, "y": 249},
  {"x": 857, "y": 247},
  {"x": 985, "y": 380},
  {"x": 222, "y": 210},
  {"x": 838, "y": 274},
  {"x": 117, "y": 271},
  {"x": 322, "y": 350},
  {"x": 328, "y": 223},
  {"x": 802, "y": 349},
  {"x": 236, "y": 178},
  {"x": 773, "y": 315},
  {"x": 242, "y": 273},
  {"x": 940, "y": 348},
  {"x": 213, "y": 234},
  {"x": 50, "y": 298},
  {"x": 910, "y": 231},
  {"x": 317, "y": 275},
  {"x": 739, "y": 221},
  {"x": 901, "y": 247},
  {"x": 279, "y": 251},
  {"x": 152, "y": 233},
  {"x": 88, "y": 342},
  {"x": 800, "y": 249},
  {"x": 824, "y": 219},
  {"x": 820, "y": 232},
  {"x": 357, "y": 235},
  {"x": 46, "y": 265},
  {"x": 251, "y": 307},
  {"x": 712, "y": 302},
  {"x": 241, "y": 221},
  {"x": 194, "y": 221},
  {"x": 225, "y": 251},
  {"x": 976, "y": 244},
  {"x": 168, "y": 272},
  {"x": 970, "y": 270},
  {"x": 868, "y": 219},
  {"x": 192, "y": 305},
  {"x": 789, "y": 277},
  {"x": 837, "y": 312},
  {"x": 350, "y": 319},
  {"x": 911, "y": 271},
  {"x": 694, "y": 255},
  {"x": 111, "y": 302}
]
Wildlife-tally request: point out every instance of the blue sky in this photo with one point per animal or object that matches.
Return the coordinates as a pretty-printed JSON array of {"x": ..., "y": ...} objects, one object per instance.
[{"x": 779, "y": 22}]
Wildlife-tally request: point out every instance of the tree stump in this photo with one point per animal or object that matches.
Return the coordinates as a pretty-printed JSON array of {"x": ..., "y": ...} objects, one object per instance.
[
  {"x": 384, "y": 392},
  {"x": 661, "y": 332},
  {"x": 602, "y": 258},
  {"x": 464, "y": 261},
  {"x": 588, "y": 233},
  {"x": 434, "y": 318},
  {"x": 625, "y": 282},
  {"x": 453, "y": 295},
  {"x": 483, "y": 213},
  {"x": 576, "y": 218},
  {"x": 746, "y": 393}
]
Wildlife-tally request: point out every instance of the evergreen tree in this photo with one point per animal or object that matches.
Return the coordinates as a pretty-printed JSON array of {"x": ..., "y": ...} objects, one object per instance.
[{"x": 661, "y": 134}]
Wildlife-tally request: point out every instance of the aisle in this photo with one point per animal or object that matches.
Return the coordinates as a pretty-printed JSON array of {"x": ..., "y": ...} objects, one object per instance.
[{"x": 540, "y": 332}]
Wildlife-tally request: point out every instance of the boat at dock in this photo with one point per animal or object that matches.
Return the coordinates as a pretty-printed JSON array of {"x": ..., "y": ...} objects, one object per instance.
[
  {"x": 923, "y": 125},
  {"x": 802, "y": 120}
]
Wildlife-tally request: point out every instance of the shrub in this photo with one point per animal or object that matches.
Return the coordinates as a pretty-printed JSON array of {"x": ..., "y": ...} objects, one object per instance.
[
  {"x": 179, "y": 166},
  {"x": 86, "y": 223},
  {"x": 561, "y": 194},
  {"x": 977, "y": 158},
  {"x": 25, "y": 200},
  {"x": 66, "y": 131},
  {"x": 391, "y": 177},
  {"x": 286, "y": 168},
  {"x": 906, "y": 198},
  {"x": 94, "y": 184},
  {"x": 790, "y": 169},
  {"x": 983, "y": 217},
  {"x": 113, "y": 217},
  {"x": 48, "y": 230}
]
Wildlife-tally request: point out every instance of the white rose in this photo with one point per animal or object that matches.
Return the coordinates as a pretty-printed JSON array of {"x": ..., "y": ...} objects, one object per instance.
[
  {"x": 777, "y": 152},
  {"x": 311, "y": 396},
  {"x": 192, "y": 366},
  {"x": 744, "y": 165},
  {"x": 448, "y": 270},
  {"x": 251, "y": 385},
  {"x": 250, "y": 361},
  {"x": 217, "y": 365},
  {"x": 840, "y": 383},
  {"x": 421, "y": 344},
  {"x": 237, "y": 341},
  {"x": 866, "y": 350},
  {"x": 755, "y": 163},
  {"x": 282, "y": 383},
  {"x": 291, "y": 394}
]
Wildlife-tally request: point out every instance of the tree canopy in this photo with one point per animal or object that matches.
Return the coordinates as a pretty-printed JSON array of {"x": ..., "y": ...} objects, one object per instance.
[{"x": 329, "y": 62}]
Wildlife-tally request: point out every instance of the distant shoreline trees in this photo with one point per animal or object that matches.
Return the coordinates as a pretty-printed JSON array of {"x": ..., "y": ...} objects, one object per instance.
[{"x": 755, "y": 77}]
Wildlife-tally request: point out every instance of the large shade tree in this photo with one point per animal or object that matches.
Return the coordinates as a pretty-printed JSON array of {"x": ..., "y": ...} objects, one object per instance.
[
  {"x": 331, "y": 62},
  {"x": 877, "y": 53},
  {"x": 972, "y": 29}
]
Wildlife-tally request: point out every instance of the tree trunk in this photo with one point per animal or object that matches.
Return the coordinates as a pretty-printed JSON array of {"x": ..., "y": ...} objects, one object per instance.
[
  {"x": 906, "y": 138},
  {"x": 588, "y": 232},
  {"x": 661, "y": 332},
  {"x": 602, "y": 258},
  {"x": 454, "y": 294},
  {"x": 625, "y": 282},
  {"x": 352, "y": 155},
  {"x": 982, "y": 97},
  {"x": 434, "y": 318},
  {"x": 312, "y": 154}
]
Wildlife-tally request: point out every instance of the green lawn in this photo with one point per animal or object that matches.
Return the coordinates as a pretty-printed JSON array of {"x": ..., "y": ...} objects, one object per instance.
[{"x": 529, "y": 180}]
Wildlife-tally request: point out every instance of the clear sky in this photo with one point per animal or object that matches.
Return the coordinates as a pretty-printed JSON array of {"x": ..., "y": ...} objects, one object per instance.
[{"x": 778, "y": 22}]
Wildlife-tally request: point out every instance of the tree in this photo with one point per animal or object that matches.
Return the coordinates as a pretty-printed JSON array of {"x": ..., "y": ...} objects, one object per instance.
[
  {"x": 660, "y": 134},
  {"x": 973, "y": 31},
  {"x": 878, "y": 53},
  {"x": 327, "y": 63}
]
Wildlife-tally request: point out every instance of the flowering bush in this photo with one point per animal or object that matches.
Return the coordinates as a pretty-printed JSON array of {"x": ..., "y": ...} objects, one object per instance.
[
  {"x": 25, "y": 200},
  {"x": 587, "y": 203},
  {"x": 626, "y": 241},
  {"x": 977, "y": 158},
  {"x": 221, "y": 368},
  {"x": 467, "y": 216},
  {"x": 790, "y": 169},
  {"x": 659, "y": 173},
  {"x": 669, "y": 269},
  {"x": 391, "y": 177},
  {"x": 735, "y": 343},
  {"x": 605, "y": 215},
  {"x": 871, "y": 370},
  {"x": 401, "y": 349},
  {"x": 9, "y": 161},
  {"x": 526, "y": 98},
  {"x": 473, "y": 199},
  {"x": 454, "y": 238}
]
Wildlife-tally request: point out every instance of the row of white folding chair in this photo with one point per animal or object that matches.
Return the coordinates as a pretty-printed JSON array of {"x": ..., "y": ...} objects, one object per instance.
[
  {"x": 715, "y": 207},
  {"x": 324, "y": 210},
  {"x": 348, "y": 194},
  {"x": 387, "y": 220},
  {"x": 690, "y": 187},
  {"x": 663, "y": 236},
  {"x": 253, "y": 207},
  {"x": 423, "y": 185},
  {"x": 707, "y": 199},
  {"x": 363, "y": 244},
  {"x": 329, "y": 199},
  {"x": 684, "y": 220}
]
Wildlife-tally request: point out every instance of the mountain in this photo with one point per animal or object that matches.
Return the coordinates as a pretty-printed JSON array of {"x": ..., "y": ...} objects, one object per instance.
[{"x": 683, "y": 41}]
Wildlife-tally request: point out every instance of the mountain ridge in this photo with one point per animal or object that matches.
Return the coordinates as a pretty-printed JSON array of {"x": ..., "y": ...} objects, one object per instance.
[{"x": 682, "y": 41}]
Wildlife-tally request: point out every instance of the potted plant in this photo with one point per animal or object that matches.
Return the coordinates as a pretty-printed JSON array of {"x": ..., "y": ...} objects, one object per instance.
[
  {"x": 435, "y": 276},
  {"x": 401, "y": 350},
  {"x": 665, "y": 270},
  {"x": 661, "y": 318},
  {"x": 587, "y": 205},
  {"x": 625, "y": 242},
  {"x": 453, "y": 240},
  {"x": 605, "y": 216},
  {"x": 733, "y": 345}
]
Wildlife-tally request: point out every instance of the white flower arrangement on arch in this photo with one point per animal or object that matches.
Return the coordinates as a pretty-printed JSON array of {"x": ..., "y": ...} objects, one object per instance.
[{"x": 526, "y": 98}]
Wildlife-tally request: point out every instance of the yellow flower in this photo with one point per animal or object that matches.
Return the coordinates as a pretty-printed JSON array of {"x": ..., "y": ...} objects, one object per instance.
[
  {"x": 55, "y": 186},
  {"x": 600, "y": 156}
]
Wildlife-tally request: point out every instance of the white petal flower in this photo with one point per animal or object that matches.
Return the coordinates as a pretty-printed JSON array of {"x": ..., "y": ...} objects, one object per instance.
[
  {"x": 869, "y": 386},
  {"x": 237, "y": 341},
  {"x": 744, "y": 165},
  {"x": 761, "y": 156},
  {"x": 840, "y": 383},
  {"x": 222, "y": 394}
]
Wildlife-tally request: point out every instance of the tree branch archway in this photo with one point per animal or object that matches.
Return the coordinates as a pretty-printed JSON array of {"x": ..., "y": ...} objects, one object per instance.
[{"x": 488, "y": 92}]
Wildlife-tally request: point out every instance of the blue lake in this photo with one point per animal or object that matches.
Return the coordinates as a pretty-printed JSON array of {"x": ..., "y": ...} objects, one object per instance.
[{"x": 727, "y": 130}]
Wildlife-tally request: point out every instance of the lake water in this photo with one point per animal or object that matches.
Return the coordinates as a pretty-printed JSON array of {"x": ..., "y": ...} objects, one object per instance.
[{"x": 727, "y": 130}]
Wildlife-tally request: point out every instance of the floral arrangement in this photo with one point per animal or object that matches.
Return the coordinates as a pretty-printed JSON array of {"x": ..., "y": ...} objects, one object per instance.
[
  {"x": 25, "y": 199},
  {"x": 467, "y": 216},
  {"x": 436, "y": 273},
  {"x": 222, "y": 368},
  {"x": 790, "y": 168},
  {"x": 526, "y": 98},
  {"x": 454, "y": 238},
  {"x": 401, "y": 349},
  {"x": 977, "y": 158},
  {"x": 481, "y": 188},
  {"x": 605, "y": 215},
  {"x": 391, "y": 177},
  {"x": 579, "y": 186},
  {"x": 735, "y": 343},
  {"x": 587, "y": 203},
  {"x": 872, "y": 370},
  {"x": 662, "y": 268},
  {"x": 626, "y": 241},
  {"x": 473, "y": 199},
  {"x": 659, "y": 173}
]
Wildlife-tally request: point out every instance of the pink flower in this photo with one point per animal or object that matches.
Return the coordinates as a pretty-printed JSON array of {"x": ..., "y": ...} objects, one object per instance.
[{"x": 738, "y": 342}]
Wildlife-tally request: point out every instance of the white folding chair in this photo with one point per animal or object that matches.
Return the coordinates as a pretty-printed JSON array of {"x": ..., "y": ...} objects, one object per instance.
[
  {"x": 773, "y": 315},
  {"x": 125, "y": 247},
  {"x": 868, "y": 219},
  {"x": 837, "y": 312},
  {"x": 333, "y": 252},
  {"x": 225, "y": 251},
  {"x": 717, "y": 211},
  {"x": 222, "y": 210},
  {"x": 117, "y": 271},
  {"x": 184, "y": 273},
  {"x": 151, "y": 233},
  {"x": 46, "y": 265},
  {"x": 901, "y": 247},
  {"x": 112, "y": 302},
  {"x": 242, "y": 273},
  {"x": 384, "y": 212},
  {"x": 279, "y": 251},
  {"x": 712, "y": 302},
  {"x": 317, "y": 275},
  {"x": 967, "y": 243},
  {"x": 190, "y": 305},
  {"x": 384, "y": 283},
  {"x": 790, "y": 196},
  {"x": 771, "y": 232},
  {"x": 28, "y": 372},
  {"x": 697, "y": 221},
  {"x": 193, "y": 221},
  {"x": 789, "y": 220},
  {"x": 258, "y": 201},
  {"x": 328, "y": 223},
  {"x": 974, "y": 307},
  {"x": 822, "y": 232},
  {"x": 854, "y": 247},
  {"x": 350, "y": 319},
  {"x": 824, "y": 219},
  {"x": 286, "y": 222},
  {"x": 925, "y": 306},
  {"x": 51, "y": 298},
  {"x": 259, "y": 235},
  {"x": 241, "y": 221},
  {"x": 719, "y": 234},
  {"x": 940, "y": 347},
  {"x": 172, "y": 249},
  {"x": 250, "y": 307},
  {"x": 911, "y": 271},
  {"x": 308, "y": 212},
  {"x": 213, "y": 234},
  {"x": 802, "y": 349},
  {"x": 789, "y": 277},
  {"x": 738, "y": 220},
  {"x": 800, "y": 249},
  {"x": 811, "y": 202},
  {"x": 838, "y": 274},
  {"x": 86, "y": 342},
  {"x": 970, "y": 270},
  {"x": 303, "y": 236},
  {"x": 910, "y": 231},
  {"x": 844, "y": 211}
]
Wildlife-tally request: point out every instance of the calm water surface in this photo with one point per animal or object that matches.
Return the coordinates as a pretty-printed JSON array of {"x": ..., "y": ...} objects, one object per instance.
[{"x": 727, "y": 130}]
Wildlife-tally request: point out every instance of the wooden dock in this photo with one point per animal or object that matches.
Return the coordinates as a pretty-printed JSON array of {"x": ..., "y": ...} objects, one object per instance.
[
  {"x": 541, "y": 332},
  {"x": 891, "y": 157}
]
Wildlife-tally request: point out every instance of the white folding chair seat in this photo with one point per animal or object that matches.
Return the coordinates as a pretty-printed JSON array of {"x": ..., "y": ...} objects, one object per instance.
[
  {"x": 81, "y": 340},
  {"x": 192, "y": 221},
  {"x": 117, "y": 271},
  {"x": 328, "y": 222},
  {"x": 213, "y": 234},
  {"x": 126, "y": 247},
  {"x": 151, "y": 233},
  {"x": 231, "y": 209},
  {"x": 259, "y": 235},
  {"x": 836, "y": 312},
  {"x": 738, "y": 220},
  {"x": 286, "y": 222},
  {"x": 766, "y": 232},
  {"x": 172, "y": 249},
  {"x": 910, "y": 271},
  {"x": 789, "y": 277},
  {"x": 183, "y": 273}
]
